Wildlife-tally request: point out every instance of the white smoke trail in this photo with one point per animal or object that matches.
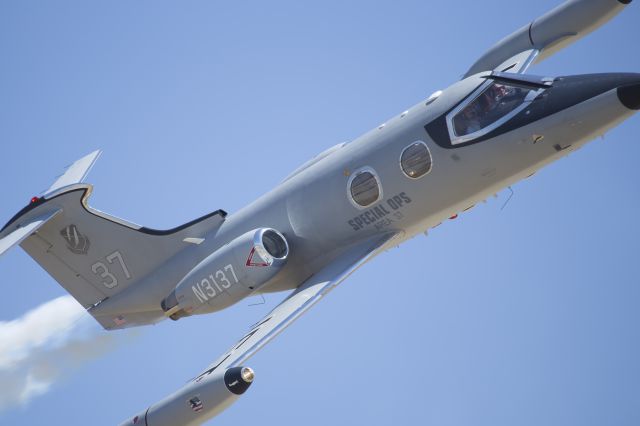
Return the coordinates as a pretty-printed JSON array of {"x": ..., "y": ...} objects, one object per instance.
[{"x": 43, "y": 345}]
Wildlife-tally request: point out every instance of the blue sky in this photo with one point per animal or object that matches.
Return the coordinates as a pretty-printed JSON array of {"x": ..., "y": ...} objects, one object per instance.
[{"x": 527, "y": 315}]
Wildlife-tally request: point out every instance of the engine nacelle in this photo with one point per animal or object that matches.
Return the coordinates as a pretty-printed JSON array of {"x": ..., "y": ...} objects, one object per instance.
[
  {"x": 198, "y": 401},
  {"x": 229, "y": 274}
]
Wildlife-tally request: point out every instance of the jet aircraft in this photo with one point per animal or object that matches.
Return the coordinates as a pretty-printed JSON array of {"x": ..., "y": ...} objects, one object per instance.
[{"x": 385, "y": 187}]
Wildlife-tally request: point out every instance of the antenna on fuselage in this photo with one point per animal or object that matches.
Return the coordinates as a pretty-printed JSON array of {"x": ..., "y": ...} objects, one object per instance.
[
  {"x": 508, "y": 199},
  {"x": 259, "y": 303}
]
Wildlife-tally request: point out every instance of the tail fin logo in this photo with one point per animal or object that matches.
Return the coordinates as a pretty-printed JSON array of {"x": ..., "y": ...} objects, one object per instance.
[{"x": 76, "y": 242}]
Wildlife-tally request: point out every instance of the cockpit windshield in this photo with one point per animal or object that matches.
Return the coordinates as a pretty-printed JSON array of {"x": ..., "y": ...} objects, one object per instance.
[{"x": 492, "y": 104}]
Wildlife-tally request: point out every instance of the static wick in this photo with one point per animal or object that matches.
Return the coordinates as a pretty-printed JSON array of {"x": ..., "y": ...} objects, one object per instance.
[
  {"x": 508, "y": 199},
  {"x": 259, "y": 303}
]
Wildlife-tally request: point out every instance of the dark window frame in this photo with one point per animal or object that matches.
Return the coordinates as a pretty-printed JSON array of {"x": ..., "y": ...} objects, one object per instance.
[{"x": 457, "y": 139}]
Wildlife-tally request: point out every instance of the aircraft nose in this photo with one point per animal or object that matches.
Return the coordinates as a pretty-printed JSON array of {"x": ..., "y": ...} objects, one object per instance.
[{"x": 629, "y": 95}]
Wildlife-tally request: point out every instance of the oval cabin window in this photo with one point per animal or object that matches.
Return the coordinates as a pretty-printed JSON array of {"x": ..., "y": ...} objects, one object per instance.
[
  {"x": 364, "y": 188},
  {"x": 416, "y": 160}
]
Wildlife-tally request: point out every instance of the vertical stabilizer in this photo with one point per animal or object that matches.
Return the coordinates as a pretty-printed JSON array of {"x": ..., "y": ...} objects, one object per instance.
[{"x": 75, "y": 173}]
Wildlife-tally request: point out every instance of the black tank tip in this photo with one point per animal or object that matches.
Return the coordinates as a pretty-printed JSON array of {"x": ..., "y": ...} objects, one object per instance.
[
  {"x": 235, "y": 382},
  {"x": 630, "y": 96}
]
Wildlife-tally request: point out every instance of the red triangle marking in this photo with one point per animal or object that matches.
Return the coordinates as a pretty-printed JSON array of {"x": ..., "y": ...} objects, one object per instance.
[{"x": 250, "y": 261}]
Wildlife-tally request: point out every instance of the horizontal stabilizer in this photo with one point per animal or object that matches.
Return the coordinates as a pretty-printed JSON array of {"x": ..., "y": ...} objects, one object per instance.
[
  {"x": 23, "y": 230},
  {"x": 75, "y": 173}
]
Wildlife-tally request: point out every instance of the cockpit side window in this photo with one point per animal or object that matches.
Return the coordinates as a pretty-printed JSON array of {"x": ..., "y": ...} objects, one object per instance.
[{"x": 492, "y": 106}]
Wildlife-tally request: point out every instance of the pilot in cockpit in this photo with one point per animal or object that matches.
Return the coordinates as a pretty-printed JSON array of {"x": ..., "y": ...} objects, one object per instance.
[
  {"x": 471, "y": 119},
  {"x": 492, "y": 104}
]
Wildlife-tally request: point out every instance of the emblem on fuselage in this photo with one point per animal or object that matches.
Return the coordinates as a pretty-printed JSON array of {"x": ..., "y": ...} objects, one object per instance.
[
  {"x": 77, "y": 243},
  {"x": 196, "y": 404}
]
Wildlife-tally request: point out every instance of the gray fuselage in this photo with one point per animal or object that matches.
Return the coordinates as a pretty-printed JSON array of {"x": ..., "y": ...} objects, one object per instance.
[{"x": 313, "y": 208}]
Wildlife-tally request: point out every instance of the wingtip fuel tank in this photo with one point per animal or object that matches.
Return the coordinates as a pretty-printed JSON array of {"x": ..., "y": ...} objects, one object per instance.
[
  {"x": 201, "y": 399},
  {"x": 551, "y": 32}
]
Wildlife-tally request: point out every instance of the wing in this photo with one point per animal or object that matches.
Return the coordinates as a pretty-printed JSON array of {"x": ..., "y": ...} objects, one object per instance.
[
  {"x": 225, "y": 380},
  {"x": 546, "y": 35},
  {"x": 307, "y": 295}
]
